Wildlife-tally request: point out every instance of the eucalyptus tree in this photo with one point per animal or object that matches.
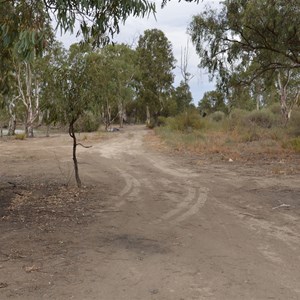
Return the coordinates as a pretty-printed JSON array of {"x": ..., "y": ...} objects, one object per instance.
[
  {"x": 182, "y": 92},
  {"x": 156, "y": 62},
  {"x": 123, "y": 66},
  {"x": 183, "y": 96},
  {"x": 50, "y": 65},
  {"x": 258, "y": 36},
  {"x": 22, "y": 20},
  {"x": 16, "y": 84},
  {"x": 118, "y": 79},
  {"x": 72, "y": 86},
  {"x": 211, "y": 102}
]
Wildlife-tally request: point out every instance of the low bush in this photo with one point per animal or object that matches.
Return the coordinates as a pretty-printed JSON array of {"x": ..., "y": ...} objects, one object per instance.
[
  {"x": 250, "y": 135},
  {"x": 293, "y": 144},
  {"x": 20, "y": 136},
  {"x": 217, "y": 116},
  {"x": 236, "y": 117},
  {"x": 161, "y": 121},
  {"x": 186, "y": 121},
  {"x": 275, "y": 109},
  {"x": 262, "y": 118}
]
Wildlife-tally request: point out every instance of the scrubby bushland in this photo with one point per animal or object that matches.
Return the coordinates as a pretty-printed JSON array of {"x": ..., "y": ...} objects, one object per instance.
[
  {"x": 293, "y": 144},
  {"x": 261, "y": 131},
  {"x": 262, "y": 118},
  {"x": 218, "y": 116},
  {"x": 88, "y": 122},
  {"x": 186, "y": 121},
  {"x": 294, "y": 123}
]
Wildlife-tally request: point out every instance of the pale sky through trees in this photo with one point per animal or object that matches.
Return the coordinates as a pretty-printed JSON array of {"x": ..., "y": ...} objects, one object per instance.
[{"x": 173, "y": 20}]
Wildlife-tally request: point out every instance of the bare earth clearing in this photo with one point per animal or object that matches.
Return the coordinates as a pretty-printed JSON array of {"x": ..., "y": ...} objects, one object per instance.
[{"x": 148, "y": 224}]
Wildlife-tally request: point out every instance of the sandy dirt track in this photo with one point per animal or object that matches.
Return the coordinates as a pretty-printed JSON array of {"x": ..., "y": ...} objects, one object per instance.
[{"x": 148, "y": 224}]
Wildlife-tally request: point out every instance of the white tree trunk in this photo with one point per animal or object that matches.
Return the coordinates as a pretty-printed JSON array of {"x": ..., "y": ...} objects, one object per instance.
[
  {"x": 29, "y": 94},
  {"x": 283, "y": 96},
  {"x": 148, "y": 116},
  {"x": 121, "y": 113},
  {"x": 12, "y": 117}
]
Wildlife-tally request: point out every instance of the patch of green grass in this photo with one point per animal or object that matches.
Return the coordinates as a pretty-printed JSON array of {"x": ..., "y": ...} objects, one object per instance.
[
  {"x": 217, "y": 116},
  {"x": 20, "y": 136},
  {"x": 293, "y": 144},
  {"x": 186, "y": 121}
]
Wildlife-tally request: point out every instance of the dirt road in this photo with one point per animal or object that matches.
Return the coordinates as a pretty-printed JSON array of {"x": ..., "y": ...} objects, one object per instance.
[{"x": 148, "y": 225}]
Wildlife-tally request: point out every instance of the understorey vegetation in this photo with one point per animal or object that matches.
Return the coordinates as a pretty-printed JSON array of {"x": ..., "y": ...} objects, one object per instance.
[{"x": 233, "y": 135}]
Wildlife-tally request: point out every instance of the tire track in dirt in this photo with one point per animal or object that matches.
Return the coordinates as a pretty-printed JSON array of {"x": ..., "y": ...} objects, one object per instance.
[
  {"x": 128, "y": 147},
  {"x": 131, "y": 189},
  {"x": 200, "y": 201},
  {"x": 194, "y": 200},
  {"x": 167, "y": 241}
]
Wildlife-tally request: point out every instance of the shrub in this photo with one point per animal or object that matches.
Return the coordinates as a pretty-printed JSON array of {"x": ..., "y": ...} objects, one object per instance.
[
  {"x": 88, "y": 122},
  {"x": 275, "y": 109},
  {"x": 217, "y": 116},
  {"x": 250, "y": 135},
  {"x": 186, "y": 121},
  {"x": 293, "y": 144},
  {"x": 236, "y": 116},
  {"x": 20, "y": 136},
  {"x": 161, "y": 121},
  {"x": 262, "y": 118}
]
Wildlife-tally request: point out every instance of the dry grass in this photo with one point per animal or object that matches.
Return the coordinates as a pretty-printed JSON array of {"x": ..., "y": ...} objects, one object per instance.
[{"x": 238, "y": 144}]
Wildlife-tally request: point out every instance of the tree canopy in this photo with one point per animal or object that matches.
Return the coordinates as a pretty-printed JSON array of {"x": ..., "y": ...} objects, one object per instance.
[
  {"x": 261, "y": 32},
  {"x": 156, "y": 62},
  {"x": 247, "y": 41},
  {"x": 23, "y": 22}
]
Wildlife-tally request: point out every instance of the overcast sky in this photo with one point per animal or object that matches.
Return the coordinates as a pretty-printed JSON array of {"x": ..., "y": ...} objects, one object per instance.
[{"x": 173, "y": 20}]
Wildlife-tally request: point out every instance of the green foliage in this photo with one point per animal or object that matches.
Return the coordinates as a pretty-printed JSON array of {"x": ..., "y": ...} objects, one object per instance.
[
  {"x": 20, "y": 136},
  {"x": 99, "y": 19},
  {"x": 186, "y": 121},
  {"x": 87, "y": 122},
  {"x": 249, "y": 134},
  {"x": 293, "y": 144},
  {"x": 252, "y": 48},
  {"x": 236, "y": 117},
  {"x": 218, "y": 116},
  {"x": 275, "y": 109},
  {"x": 262, "y": 118},
  {"x": 4, "y": 116},
  {"x": 156, "y": 62},
  {"x": 170, "y": 107},
  {"x": 161, "y": 121},
  {"x": 183, "y": 96},
  {"x": 25, "y": 29},
  {"x": 257, "y": 118},
  {"x": 212, "y": 101},
  {"x": 72, "y": 87},
  {"x": 241, "y": 98},
  {"x": 22, "y": 23},
  {"x": 252, "y": 26},
  {"x": 117, "y": 70}
]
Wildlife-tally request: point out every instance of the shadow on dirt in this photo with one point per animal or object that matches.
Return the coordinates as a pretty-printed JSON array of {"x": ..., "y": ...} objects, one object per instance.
[{"x": 137, "y": 244}]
